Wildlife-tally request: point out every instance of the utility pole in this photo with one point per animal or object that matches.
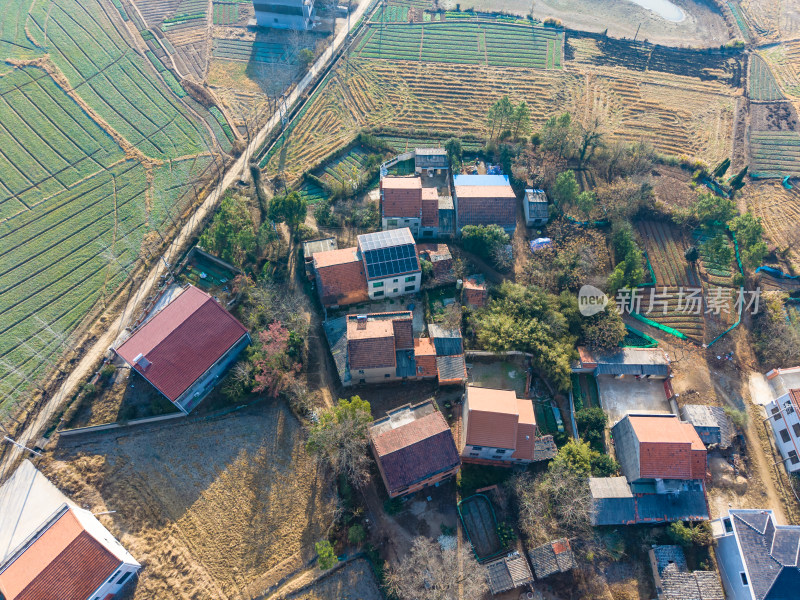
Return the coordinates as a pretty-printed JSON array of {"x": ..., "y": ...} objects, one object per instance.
[{"x": 637, "y": 32}]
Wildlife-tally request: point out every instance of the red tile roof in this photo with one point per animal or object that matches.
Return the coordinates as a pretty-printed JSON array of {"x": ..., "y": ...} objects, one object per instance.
[
  {"x": 341, "y": 277},
  {"x": 403, "y": 334},
  {"x": 64, "y": 563},
  {"x": 425, "y": 354},
  {"x": 430, "y": 207},
  {"x": 415, "y": 451},
  {"x": 402, "y": 196},
  {"x": 794, "y": 395},
  {"x": 182, "y": 341},
  {"x": 493, "y": 418},
  {"x": 487, "y": 209},
  {"x": 668, "y": 448}
]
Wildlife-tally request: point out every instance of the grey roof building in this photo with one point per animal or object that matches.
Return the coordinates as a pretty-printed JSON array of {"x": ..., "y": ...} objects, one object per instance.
[
  {"x": 507, "y": 573},
  {"x": 674, "y": 581},
  {"x": 553, "y": 557},
  {"x": 535, "y": 206},
  {"x": 758, "y": 559},
  {"x": 710, "y": 422}
]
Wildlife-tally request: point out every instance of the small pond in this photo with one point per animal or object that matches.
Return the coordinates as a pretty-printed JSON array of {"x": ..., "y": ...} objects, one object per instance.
[{"x": 663, "y": 8}]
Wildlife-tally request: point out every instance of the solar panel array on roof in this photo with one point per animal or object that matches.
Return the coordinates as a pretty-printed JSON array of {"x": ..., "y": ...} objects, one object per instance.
[
  {"x": 385, "y": 239},
  {"x": 385, "y": 262}
]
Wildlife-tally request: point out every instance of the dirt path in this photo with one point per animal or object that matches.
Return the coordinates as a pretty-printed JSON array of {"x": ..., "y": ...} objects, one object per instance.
[{"x": 98, "y": 349}]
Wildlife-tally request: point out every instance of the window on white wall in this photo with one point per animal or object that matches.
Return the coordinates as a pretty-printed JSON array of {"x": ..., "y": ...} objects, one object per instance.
[{"x": 743, "y": 575}]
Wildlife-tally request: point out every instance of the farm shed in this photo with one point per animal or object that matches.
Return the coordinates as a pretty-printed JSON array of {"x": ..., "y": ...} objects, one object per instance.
[
  {"x": 551, "y": 558},
  {"x": 476, "y": 292},
  {"x": 650, "y": 363},
  {"x": 485, "y": 200},
  {"x": 674, "y": 581},
  {"x": 710, "y": 422},
  {"x": 414, "y": 448},
  {"x": 450, "y": 364},
  {"x": 52, "y": 548},
  {"x": 185, "y": 348},
  {"x": 311, "y": 247},
  {"x": 447, "y": 216},
  {"x": 537, "y": 211},
  {"x": 507, "y": 573},
  {"x": 430, "y": 160}
]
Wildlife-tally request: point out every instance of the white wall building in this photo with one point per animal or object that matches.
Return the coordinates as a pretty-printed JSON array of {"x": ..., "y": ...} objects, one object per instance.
[
  {"x": 52, "y": 548},
  {"x": 285, "y": 14},
  {"x": 391, "y": 263},
  {"x": 784, "y": 414}
]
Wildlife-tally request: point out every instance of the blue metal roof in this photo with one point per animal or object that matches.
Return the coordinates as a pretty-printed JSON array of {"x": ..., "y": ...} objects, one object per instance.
[
  {"x": 406, "y": 363},
  {"x": 481, "y": 180}
]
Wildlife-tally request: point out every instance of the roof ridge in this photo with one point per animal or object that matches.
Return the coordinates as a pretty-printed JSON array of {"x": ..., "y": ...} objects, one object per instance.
[{"x": 751, "y": 526}]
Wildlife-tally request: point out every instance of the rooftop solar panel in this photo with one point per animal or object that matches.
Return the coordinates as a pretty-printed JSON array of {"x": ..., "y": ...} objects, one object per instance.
[{"x": 385, "y": 262}]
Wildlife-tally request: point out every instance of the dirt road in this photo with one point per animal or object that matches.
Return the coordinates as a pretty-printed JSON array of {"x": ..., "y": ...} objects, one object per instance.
[{"x": 149, "y": 285}]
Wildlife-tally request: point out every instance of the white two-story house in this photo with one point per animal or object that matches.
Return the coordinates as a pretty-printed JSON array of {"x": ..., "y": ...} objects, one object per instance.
[{"x": 783, "y": 414}]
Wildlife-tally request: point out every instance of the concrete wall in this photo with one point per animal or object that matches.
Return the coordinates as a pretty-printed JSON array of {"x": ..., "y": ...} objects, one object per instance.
[
  {"x": 730, "y": 565},
  {"x": 373, "y": 375},
  {"x": 390, "y": 284},
  {"x": 389, "y": 223}
]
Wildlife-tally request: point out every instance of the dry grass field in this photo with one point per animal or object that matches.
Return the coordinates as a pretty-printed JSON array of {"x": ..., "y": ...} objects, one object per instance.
[
  {"x": 208, "y": 505},
  {"x": 355, "y": 580},
  {"x": 678, "y": 114},
  {"x": 779, "y": 210}
]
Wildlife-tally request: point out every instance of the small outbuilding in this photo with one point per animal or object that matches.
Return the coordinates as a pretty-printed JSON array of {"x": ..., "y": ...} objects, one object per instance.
[
  {"x": 711, "y": 424},
  {"x": 430, "y": 160},
  {"x": 551, "y": 558},
  {"x": 537, "y": 211},
  {"x": 507, "y": 573},
  {"x": 476, "y": 292}
]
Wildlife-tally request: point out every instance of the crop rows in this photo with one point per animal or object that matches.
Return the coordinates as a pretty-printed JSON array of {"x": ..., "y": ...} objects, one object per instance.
[
  {"x": 739, "y": 18},
  {"x": 226, "y": 13},
  {"x": 761, "y": 83},
  {"x": 775, "y": 153},
  {"x": 720, "y": 275},
  {"x": 247, "y": 50},
  {"x": 74, "y": 208},
  {"x": 784, "y": 62},
  {"x": 495, "y": 44}
]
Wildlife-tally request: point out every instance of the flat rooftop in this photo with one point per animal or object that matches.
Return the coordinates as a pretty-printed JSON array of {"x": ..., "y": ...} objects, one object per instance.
[
  {"x": 786, "y": 380},
  {"x": 401, "y": 416},
  {"x": 618, "y": 397}
]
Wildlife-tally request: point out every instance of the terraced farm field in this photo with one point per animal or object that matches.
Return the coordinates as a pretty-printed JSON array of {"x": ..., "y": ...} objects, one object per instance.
[
  {"x": 97, "y": 155},
  {"x": 779, "y": 210},
  {"x": 678, "y": 114},
  {"x": 665, "y": 249},
  {"x": 784, "y": 60},
  {"x": 761, "y": 83},
  {"x": 480, "y": 43},
  {"x": 775, "y": 153}
]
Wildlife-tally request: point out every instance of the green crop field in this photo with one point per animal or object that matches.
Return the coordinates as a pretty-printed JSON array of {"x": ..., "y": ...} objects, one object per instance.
[
  {"x": 225, "y": 13},
  {"x": 775, "y": 153},
  {"x": 98, "y": 152},
  {"x": 496, "y": 44},
  {"x": 761, "y": 82}
]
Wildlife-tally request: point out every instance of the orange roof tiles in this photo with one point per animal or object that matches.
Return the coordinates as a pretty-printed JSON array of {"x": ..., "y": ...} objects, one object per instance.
[
  {"x": 410, "y": 433},
  {"x": 430, "y": 194},
  {"x": 341, "y": 277},
  {"x": 424, "y": 347},
  {"x": 794, "y": 395},
  {"x": 401, "y": 183},
  {"x": 65, "y": 562},
  {"x": 668, "y": 448},
  {"x": 483, "y": 191},
  {"x": 493, "y": 418}
]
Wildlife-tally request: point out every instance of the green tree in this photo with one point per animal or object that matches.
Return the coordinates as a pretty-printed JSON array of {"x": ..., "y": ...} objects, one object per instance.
[
  {"x": 288, "y": 208},
  {"x": 691, "y": 254},
  {"x": 528, "y": 319},
  {"x": 340, "y": 437},
  {"x": 749, "y": 233},
  {"x": 522, "y": 120},
  {"x": 558, "y": 135},
  {"x": 710, "y": 210},
  {"x": 737, "y": 181},
  {"x": 585, "y": 203},
  {"x": 590, "y": 138},
  {"x": 592, "y": 426},
  {"x": 604, "y": 330},
  {"x": 483, "y": 239},
  {"x": 565, "y": 189},
  {"x": 231, "y": 235},
  {"x": 305, "y": 57},
  {"x": 356, "y": 535},
  {"x": 629, "y": 271},
  {"x": 575, "y": 456},
  {"x": 326, "y": 557},
  {"x": 722, "y": 168},
  {"x": 691, "y": 535},
  {"x": 500, "y": 115},
  {"x": 455, "y": 153}
]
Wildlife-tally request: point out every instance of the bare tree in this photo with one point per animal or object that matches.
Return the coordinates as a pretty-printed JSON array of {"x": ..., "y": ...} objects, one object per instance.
[{"x": 430, "y": 573}]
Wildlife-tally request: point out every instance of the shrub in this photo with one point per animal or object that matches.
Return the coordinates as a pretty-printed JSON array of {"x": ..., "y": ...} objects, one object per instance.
[
  {"x": 392, "y": 506},
  {"x": 326, "y": 557},
  {"x": 356, "y": 535},
  {"x": 737, "y": 417}
]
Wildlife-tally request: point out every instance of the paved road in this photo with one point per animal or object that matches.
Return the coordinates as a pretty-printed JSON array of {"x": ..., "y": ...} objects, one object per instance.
[{"x": 149, "y": 285}]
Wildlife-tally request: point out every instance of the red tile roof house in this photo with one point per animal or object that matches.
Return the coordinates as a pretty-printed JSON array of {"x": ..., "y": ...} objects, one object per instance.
[
  {"x": 184, "y": 348},
  {"x": 380, "y": 347},
  {"x": 497, "y": 428},
  {"x": 51, "y": 549},
  {"x": 414, "y": 448},
  {"x": 476, "y": 292},
  {"x": 401, "y": 203},
  {"x": 485, "y": 200},
  {"x": 340, "y": 277},
  {"x": 664, "y": 464}
]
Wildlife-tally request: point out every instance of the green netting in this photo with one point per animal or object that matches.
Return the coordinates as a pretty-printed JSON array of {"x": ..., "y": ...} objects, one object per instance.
[{"x": 663, "y": 328}]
